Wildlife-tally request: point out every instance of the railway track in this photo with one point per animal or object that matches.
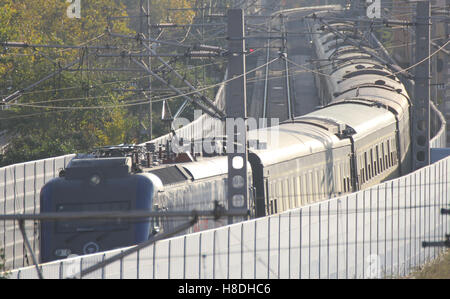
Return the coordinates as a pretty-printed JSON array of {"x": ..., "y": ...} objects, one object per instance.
[
  {"x": 277, "y": 95},
  {"x": 283, "y": 89}
]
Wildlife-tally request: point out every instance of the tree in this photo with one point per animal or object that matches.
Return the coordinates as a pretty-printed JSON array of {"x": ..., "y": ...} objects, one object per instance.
[
  {"x": 79, "y": 109},
  {"x": 45, "y": 129}
]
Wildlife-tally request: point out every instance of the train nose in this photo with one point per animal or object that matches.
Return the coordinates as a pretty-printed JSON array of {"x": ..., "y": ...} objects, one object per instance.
[{"x": 94, "y": 185}]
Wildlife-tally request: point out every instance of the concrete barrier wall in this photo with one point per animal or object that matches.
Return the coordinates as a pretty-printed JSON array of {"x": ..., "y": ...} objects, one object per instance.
[
  {"x": 20, "y": 186},
  {"x": 373, "y": 233}
]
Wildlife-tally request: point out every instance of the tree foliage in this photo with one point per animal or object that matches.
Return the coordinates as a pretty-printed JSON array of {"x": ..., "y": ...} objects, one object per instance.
[
  {"x": 49, "y": 130},
  {"x": 77, "y": 110}
]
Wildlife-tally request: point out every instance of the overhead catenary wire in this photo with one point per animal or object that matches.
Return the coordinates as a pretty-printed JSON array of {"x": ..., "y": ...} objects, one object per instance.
[
  {"x": 139, "y": 101},
  {"x": 71, "y": 108},
  {"x": 144, "y": 102},
  {"x": 111, "y": 82},
  {"x": 425, "y": 59}
]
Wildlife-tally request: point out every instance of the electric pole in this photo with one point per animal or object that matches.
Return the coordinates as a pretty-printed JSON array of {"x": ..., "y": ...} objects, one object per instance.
[
  {"x": 421, "y": 103},
  {"x": 150, "y": 128},
  {"x": 236, "y": 111}
]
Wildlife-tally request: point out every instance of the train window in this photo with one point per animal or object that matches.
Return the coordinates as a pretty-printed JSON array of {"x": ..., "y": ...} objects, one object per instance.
[
  {"x": 383, "y": 161},
  {"x": 293, "y": 194},
  {"x": 320, "y": 184},
  {"x": 323, "y": 185},
  {"x": 389, "y": 153},
  {"x": 303, "y": 189},
  {"x": 280, "y": 192},
  {"x": 92, "y": 225},
  {"x": 271, "y": 186},
  {"x": 309, "y": 184},
  {"x": 291, "y": 182},
  {"x": 375, "y": 167},
  {"x": 371, "y": 164},
  {"x": 380, "y": 158},
  {"x": 366, "y": 167},
  {"x": 287, "y": 195},
  {"x": 377, "y": 155},
  {"x": 386, "y": 159},
  {"x": 314, "y": 186}
]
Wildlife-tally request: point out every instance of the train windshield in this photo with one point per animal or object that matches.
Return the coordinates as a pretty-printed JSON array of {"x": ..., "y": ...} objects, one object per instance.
[{"x": 92, "y": 225}]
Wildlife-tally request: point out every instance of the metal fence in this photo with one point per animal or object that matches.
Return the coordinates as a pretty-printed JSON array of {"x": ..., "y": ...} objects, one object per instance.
[
  {"x": 20, "y": 186},
  {"x": 374, "y": 233}
]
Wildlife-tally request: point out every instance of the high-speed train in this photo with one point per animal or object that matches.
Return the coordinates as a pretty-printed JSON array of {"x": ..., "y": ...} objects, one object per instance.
[{"x": 359, "y": 138}]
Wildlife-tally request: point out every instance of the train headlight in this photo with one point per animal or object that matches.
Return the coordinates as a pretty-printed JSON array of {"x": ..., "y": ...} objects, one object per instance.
[{"x": 95, "y": 180}]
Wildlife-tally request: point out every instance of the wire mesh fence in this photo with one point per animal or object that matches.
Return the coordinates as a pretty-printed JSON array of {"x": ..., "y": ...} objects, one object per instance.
[{"x": 374, "y": 233}]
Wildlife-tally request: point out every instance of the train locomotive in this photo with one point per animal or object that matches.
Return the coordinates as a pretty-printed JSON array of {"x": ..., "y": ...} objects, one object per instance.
[
  {"x": 359, "y": 138},
  {"x": 90, "y": 183}
]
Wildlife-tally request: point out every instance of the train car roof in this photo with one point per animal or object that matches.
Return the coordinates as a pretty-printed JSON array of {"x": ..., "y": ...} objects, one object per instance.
[
  {"x": 208, "y": 167},
  {"x": 399, "y": 102},
  {"x": 379, "y": 116},
  {"x": 292, "y": 140},
  {"x": 376, "y": 81}
]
